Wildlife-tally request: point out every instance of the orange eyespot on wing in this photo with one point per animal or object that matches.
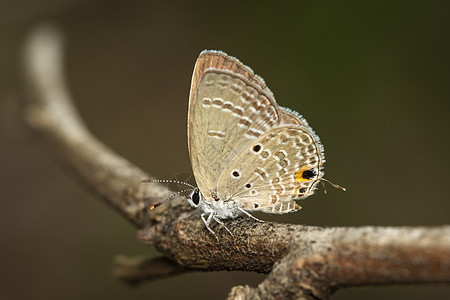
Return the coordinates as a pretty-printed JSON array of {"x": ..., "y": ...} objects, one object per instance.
[{"x": 306, "y": 173}]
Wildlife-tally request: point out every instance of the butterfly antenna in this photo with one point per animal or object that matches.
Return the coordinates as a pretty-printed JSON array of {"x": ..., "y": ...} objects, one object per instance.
[
  {"x": 166, "y": 181},
  {"x": 152, "y": 207},
  {"x": 324, "y": 186},
  {"x": 322, "y": 180}
]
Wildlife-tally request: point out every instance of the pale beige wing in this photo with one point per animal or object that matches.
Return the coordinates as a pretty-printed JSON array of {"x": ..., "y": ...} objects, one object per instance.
[
  {"x": 212, "y": 59},
  {"x": 230, "y": 108},
  {"x": 226, "y": 115},
  {"x": 282, "y": 165}
]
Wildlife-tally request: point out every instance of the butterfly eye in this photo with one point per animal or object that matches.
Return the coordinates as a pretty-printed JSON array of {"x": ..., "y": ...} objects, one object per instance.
[
  {"x": 195, "y": 197},
  {"x": 308, "y": 174}
]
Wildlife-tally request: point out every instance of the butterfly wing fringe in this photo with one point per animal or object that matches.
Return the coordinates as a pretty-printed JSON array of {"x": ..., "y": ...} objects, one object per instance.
[{"x": 281, "y": 208}]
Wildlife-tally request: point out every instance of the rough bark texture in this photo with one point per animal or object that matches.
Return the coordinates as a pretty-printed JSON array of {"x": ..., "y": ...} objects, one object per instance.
[{"x": 304, "y": 262}]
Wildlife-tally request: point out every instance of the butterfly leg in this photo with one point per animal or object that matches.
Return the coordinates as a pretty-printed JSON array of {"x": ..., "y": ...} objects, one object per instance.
[
  {"x": 207, "y": 221},
  {"x": 221, "y": 223},
  {"x": 249, "y": 215}
]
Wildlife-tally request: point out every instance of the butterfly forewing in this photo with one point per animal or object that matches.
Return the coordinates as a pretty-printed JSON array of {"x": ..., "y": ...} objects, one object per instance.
[{"x": 227, "y": 115}]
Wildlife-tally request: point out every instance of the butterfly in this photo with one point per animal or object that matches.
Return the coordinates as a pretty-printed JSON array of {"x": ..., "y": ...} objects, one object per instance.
[{"x": 247, "y": 153}]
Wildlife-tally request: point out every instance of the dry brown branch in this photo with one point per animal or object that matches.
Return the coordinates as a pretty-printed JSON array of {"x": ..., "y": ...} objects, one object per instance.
[
  {"x": 134, "y": 270},
  {"x": 303, "y": 261}
]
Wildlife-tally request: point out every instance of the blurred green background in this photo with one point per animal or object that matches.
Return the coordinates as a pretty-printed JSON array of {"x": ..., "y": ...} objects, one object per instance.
[{"x": 371, "y": 78}]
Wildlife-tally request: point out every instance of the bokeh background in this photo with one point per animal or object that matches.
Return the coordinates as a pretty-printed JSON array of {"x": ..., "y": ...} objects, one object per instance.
[{"x": 371, "y": 77}]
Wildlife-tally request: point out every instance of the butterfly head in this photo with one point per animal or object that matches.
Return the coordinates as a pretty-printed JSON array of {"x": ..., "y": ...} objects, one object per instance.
[{"x": 194, "y": 198}]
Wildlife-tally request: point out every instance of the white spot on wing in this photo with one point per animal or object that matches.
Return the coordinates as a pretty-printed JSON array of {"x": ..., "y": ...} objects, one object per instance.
[
  {"x": 206, "y": 102},
  {"x": 218, "y": 102},
  {"x": 216, "y": 134}
]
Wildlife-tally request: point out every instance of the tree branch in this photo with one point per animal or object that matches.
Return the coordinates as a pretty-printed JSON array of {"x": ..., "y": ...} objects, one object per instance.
[
  {"x": 134, "y": 270},
  {"x": 305, "y": 262},
  {"x": 51, "y": 113},
  {"x": 353, "y": 257}
]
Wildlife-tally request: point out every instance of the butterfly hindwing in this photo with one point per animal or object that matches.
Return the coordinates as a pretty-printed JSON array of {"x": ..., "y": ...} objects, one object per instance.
[{"x": 282, "y": 165}]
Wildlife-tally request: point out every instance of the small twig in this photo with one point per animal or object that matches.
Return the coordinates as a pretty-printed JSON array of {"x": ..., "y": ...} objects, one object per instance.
[{"x": 136, "y": 270}]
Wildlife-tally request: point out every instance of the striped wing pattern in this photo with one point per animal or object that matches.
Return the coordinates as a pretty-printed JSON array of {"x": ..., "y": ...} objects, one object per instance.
[{"x": 243, "y": 146}]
